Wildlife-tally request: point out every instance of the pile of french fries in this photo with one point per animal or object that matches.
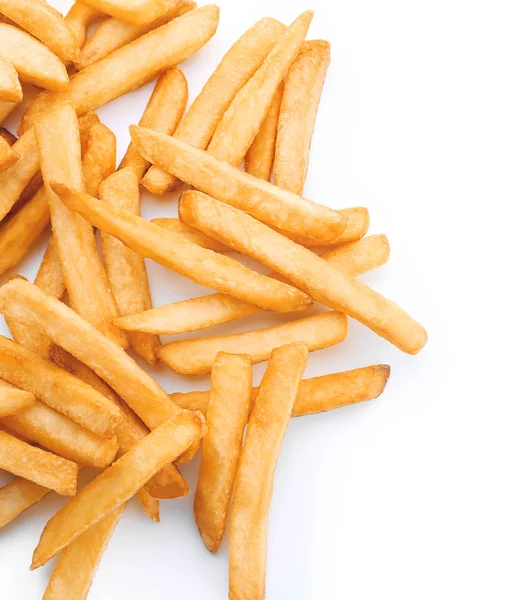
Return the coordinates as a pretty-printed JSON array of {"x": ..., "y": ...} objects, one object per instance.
[{"x": 71, "y": 396}]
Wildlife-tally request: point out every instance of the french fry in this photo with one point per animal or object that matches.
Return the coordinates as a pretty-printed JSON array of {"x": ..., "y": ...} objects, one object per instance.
[
  {"x": 246, "y": 113},
  {"x": 132, "y": 65},
  {"x": 297, "y": 116},
  {"x": 8, "y": 156},
  {"x": 198, "y": 313},
  {"x": 83, "y": 273},
  {"x": 137, "y": 12},
  {"x": 118, "y": 483},
  {"x": 5, "y": 109},
  {"x": 17, "y": 496},
  {"x": 57, "y": 388},
  {"x": 237, "y": 66},
  {"x": 73, "y": 574},
  {"x": 41, "y": 467},
  {"x": 306, "y": 270},
  {"x": 33, "y": 61},
  {"x": 260, "y": 156},
  {"x": 196, "y": 357},
  {"x": 126, "y": 271},
  {"x": 278, "y": 208},
  {"x": 193, "y": 235},
  {"x": 86, "y": 124},
  {"x": 13, "y": 400},
  {"x": 198, "y": 264},
  {"x": 99, "y": 157},
  {"x": 222, "y": 444},
  {"x": 49, "y": 277},
  {"x": 9, "y": 137},
  {"x": 114, "y": 33},
  {"x": 149, "y": 504},
  {"x": 79, "y": 17},
  {"x": 10, "y": 88},
  {"x": 45, "y": 23},
  {"x": 255, "y": 475}
]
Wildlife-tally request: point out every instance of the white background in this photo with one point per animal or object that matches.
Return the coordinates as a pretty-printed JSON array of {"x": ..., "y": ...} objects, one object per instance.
[{"x": 402, "y": 497}]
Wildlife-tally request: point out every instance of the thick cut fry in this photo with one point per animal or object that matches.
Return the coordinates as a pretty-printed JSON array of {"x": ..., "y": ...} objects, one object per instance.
[
  {"x": 243, "y": 118},
  {"x": 137, "y": 12},
  {"x": 126, "y": 271},
  {"x": 196, "y": 357},
  {"x": 57, "y": 388},
  {"x": 149, "y": 504},
  {"x": 297, "y": 116},
  {"x": 79, "y": 17},
  {"x": 17, "y": 496},
  {"x": 221, "y": 446},
  {"x": 193, "y": 235},
  {"x": 10, "y": 88},
  {"x": 113, "y": 33},
  {"x": 198, "y": 313},
  {"x": 33, "y": 61},
  {"x": 202, "y": 266},
  {"x": 306, "y": 270},
  {"x": 83, "y": 273},
  {"x": 255, "y": 475},
  {"x": 259, "y": 198},
  {"x": 163, "y": 112},
  {"x": 73, "y": 574},
  {"x": 133, "y": 65},
  {"x": 260, "y": 156},
  {"x": 41, "y": 467},
  {"x": 13, "y": 400},
  {"x": 235, "y": 69},
  {"x": 118, "y": 483},
  {"x": 99, "y": 157},
  {"x": 45, "y": 23},
  {"x": 8, "y": 156}
]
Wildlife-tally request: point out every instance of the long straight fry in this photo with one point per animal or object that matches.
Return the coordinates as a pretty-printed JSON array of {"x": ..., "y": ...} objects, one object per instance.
[
  {"x": 235, "y": 69},
  {"x": 118, "y": 483},
  {"x": 13, "y": 400},
  {"x": 198, "y": 313},
  {"x": 196, "y": 357},
  {"x": 305, "y": 269},
  {"x": 202, "y": 266},
  {"x": 8, "y": 156},
  {"x": 10, "y": 88},
  {"x": 41, "y": 467},
  {"x": 255, "y": 475},
  {"x": 137, "y": 12},
  {"x": 174, "y": 225},
  {"x": 221, "y": 447},
  {"x": 131, "y": 66},
  {"x": 79, "y": 17},
  {"x": 17, "y": 496},
  {"x": 276, "y": 207}
]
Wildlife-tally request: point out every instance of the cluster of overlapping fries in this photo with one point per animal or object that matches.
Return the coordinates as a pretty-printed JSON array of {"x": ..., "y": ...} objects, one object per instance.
[{"x": 70, "y": 395}]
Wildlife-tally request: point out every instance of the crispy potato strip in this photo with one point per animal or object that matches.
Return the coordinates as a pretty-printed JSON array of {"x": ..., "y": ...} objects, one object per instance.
[
  {"x": 193, "y": 235},
  {"x": 17, "y": 496},
  {"x": 13, "y": 400},
  {"x": 255, "y": 475},
  {"x": 79, "y": 17},
  {"x": 10, "y": 88},
  {"x": 137, "y": 12}
]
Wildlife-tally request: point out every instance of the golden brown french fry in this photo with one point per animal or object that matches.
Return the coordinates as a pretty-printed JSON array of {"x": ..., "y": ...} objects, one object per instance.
[
  {"x": 163, "y": 112},
  {"x": 33, "y": 61},
  {"x": 198, "y": 313},
  {"x": 99, "y": 157},
  {"x": 127, "y": 68},
  {"x": 196, "y": 357},
  {"x": 13, "y": 400},
  {"x": 41, "y": 467},
  {"x": 43, "y": 22},
  {"x": 235, "y": 69},
  {"x": 50, "y": 275},
  {"x": 306, "y": 270},
  {"x": 118, "y": 483},
  {"x": 255, "y": 475},
  {"x": 114, "y": 33},
  {"x": 243, "y": 118},
  {"x": 10, "y": 88},
  {"x": 270, "y": 204},
  {"x": 126, "y": 271},
  {"x": 8, "y": 156},
  {"x": 222, "y": 444},
  {"x": 193, "y": 235},
  {"x": 297, "y": 116},
  {"x": 137, "y": 12},
  {"x": 149, "y": 504},
  {"x": 260, "y": 156},
  {"x": 9, "y": 137},
  {"x": 79, "y": 17},
  {"x": 57, "y": 388},
  {"x": 17, "y": 496},
  {"x": 85, "y": 280},
  {"x": 202, "y": 266},
  {"x": 86, "y": 124}
]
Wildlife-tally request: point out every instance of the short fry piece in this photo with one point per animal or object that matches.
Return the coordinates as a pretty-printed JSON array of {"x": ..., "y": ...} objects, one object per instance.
[
  {"x": 10, "y": 88},
  {"x": 150, "y": 505},
  {"x": 255, "y": 475},
  {"x": 99, "y": 157},
  {"x": 13, "y": 400},
  {"x": 196, "y": 357},
  {"x": 39, "y": 466},
  {"x": 237, "y": 66},
  {"x": 118, "y": 483},
  {"x": 278, "y": 208},
  {"x": 17, "y": 496},
  {"x": 306, "y": 270},
  {"x": 198, "y": 264},
  {"x": 138, "y": 12},
  {"x": 8, "y": 156},
  {"x": 222, "y": 444},
  {"x": 79, "y": 17},
  {"x": 73, "y": 574},
  {"x": 5, "y": 109},
  {"x": 297, "y": 116},
  {"x": 191, "y": 234},
  {"x": 33, "y": 61}
]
